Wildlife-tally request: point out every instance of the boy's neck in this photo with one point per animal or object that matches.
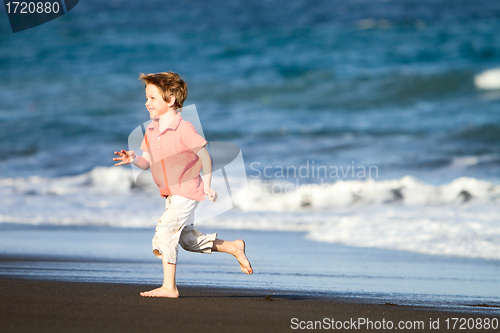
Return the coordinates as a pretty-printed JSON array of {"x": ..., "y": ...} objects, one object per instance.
[{"x": 166, "y": 119}]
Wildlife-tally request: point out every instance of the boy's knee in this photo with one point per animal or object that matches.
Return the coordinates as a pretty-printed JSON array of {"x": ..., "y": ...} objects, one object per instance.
[{"x": 187, "y": 244}]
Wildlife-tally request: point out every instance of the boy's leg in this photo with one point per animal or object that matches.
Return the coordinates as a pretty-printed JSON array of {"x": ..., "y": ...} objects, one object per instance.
[
  {"x": 169, "y": 288},
  {"x": 237, "y": 249},
  {"x": 167, "y": 234},
  {"x": 193, "y": 240}
]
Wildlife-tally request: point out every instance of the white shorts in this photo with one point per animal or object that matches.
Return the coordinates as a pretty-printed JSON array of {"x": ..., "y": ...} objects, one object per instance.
[{"x": 176, "y": 226}]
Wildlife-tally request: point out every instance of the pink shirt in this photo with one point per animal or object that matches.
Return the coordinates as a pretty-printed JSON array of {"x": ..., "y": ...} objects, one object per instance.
[{"x": 174, "y": 164}]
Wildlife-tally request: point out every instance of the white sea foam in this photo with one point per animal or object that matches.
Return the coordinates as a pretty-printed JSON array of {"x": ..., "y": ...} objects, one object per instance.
[
  {"x": 461, "y": 218},
  {"x": 488, "y": 80}
]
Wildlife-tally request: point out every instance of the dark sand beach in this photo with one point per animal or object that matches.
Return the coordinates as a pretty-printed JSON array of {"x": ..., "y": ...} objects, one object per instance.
[
  {"x": 48, "y": 306},
  {"x": 96, "y": 286}
]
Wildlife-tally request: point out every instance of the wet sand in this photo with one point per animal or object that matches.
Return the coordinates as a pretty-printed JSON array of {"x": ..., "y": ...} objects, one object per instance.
[{"x": 50, "y": 306}]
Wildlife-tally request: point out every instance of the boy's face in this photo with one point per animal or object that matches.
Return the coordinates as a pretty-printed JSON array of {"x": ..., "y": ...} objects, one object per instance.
[{"x": 155, "y": 103}]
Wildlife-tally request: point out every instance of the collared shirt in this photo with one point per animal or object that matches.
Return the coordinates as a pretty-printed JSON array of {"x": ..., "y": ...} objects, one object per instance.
[{"x": 174, "y": 164}]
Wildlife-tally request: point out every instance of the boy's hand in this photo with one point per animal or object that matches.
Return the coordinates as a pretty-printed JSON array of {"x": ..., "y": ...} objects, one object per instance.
[
  {"x": 126, "y": 157},
  {"x": 212, "y": 195}
]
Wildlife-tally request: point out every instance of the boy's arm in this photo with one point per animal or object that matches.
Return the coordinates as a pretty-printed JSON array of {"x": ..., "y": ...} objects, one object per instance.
[
  {"x": 127, "y": 157},
  {"x": 206, "y": 163},
  {"x": 143, "y": 163}
]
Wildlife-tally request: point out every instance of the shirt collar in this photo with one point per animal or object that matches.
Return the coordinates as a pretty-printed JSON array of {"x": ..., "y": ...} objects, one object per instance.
[{"x": 173, "y": 125}]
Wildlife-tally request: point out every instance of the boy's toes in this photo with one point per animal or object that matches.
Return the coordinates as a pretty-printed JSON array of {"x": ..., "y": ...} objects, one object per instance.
[
  {"x": 242, "y": 258},
  {"x": 161, "y": 292},
  {"x": 247, "y": 270}
]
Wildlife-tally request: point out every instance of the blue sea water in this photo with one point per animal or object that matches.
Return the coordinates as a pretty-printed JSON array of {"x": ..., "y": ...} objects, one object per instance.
[
  {"x": 339, "y": 84},
  {"x": 388, "y": 83}
]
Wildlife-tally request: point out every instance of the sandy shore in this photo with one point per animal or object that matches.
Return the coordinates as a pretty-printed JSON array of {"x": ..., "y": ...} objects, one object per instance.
[{"x": 48, "y": 306}]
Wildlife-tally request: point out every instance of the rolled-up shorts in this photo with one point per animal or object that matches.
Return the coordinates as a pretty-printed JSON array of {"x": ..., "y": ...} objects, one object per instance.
[{"x": 176, "y": 226}]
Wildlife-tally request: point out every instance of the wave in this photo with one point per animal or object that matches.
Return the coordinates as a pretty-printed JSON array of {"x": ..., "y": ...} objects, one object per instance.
[
  {"x": 323, "y": 90},
  {"x": 460, "y": 218},
  {"x": 488, "y": 80},
  {"x": 272, "y": 195},
  {"x": 488, "y": 133}
]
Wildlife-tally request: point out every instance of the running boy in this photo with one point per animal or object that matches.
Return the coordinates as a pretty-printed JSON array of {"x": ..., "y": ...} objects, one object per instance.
[{"x": 176, "y": 153}]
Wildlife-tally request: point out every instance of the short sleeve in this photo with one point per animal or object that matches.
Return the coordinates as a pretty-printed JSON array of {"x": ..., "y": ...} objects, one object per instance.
[
  {"x": 144, "y": 146},
  {"x": 191, "y": 139}
]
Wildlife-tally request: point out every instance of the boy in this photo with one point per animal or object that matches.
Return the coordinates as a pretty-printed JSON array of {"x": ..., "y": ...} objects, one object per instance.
[{"x": 176, "y": 153}]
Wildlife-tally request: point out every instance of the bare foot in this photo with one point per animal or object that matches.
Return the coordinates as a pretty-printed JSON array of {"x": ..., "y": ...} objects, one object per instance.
[
  {"x": 242, "y": 257},
  {"x": 161, "y": 292}
]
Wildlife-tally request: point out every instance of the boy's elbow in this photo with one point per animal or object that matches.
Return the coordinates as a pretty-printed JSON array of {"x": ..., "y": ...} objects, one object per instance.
[
  {"x": 143, "y": 164},
  {"x": 206, "y": 161},
  {"x": 203, "y": 154}
]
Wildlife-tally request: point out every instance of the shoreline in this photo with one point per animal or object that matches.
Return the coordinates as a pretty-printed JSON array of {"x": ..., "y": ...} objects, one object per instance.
[
  {"x": 56, "y": 306},
  {"x": 284, "y": 263},
  {"x": 459, "y": 306}
]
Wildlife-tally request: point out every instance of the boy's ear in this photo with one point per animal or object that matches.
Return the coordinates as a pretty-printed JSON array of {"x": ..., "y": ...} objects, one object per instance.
[{"x": 171, "y": 101}]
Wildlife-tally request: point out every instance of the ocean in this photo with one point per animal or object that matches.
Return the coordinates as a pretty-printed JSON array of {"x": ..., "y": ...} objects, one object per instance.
[{"x": 359, "y": 123}]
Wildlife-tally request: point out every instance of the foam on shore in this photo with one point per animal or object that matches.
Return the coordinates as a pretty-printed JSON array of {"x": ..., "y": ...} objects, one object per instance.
[{"x": 459, "y": 218}]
